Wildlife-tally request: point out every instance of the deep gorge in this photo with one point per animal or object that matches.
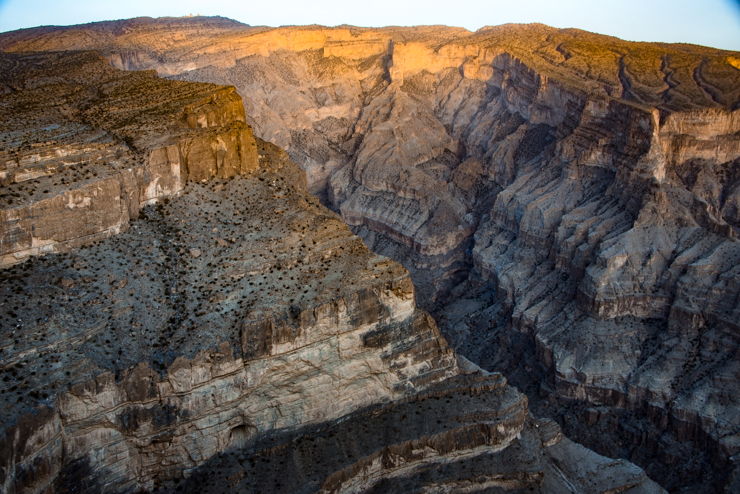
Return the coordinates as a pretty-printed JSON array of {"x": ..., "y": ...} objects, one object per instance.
[{"x": 567, "y": 208}]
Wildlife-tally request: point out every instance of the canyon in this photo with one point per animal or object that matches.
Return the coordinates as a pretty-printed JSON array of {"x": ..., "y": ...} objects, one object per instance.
[
  {"x": 176, "y": 307},
  {"x": 565, "y": 203}
]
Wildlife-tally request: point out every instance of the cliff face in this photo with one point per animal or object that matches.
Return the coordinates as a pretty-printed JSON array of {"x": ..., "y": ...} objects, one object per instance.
[
  {"x": 566, "y": 203},
  {"x": 231, "y": 317},
  {"x": 428, "y": 443},
  {"x": 86, "y": 146}
]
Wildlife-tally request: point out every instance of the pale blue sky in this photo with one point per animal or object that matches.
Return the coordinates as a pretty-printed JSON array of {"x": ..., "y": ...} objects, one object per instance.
[{"x": 707, "y": 22}]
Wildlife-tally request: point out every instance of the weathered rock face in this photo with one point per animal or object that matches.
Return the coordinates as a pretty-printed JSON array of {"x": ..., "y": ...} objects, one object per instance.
[
  {"x": 85, "y": 146},
  {"x": 136, "y": 375},
  {"x": 234, "y": 314},
  {"x": 429, "y": 443},
  {"x": 566, "y": 202}
]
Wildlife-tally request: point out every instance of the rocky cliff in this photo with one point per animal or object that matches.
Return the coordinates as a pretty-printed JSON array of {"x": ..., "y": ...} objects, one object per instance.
[
  {"x": 567, "y": 203},
  {"x": 230, "y": 318},
  {"x": 427, "y": 443},
  {"x": 85, "y": 146}
]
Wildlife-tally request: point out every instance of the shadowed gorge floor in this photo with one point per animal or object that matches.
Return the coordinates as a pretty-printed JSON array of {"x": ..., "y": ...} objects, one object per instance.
[{"x": 566, "y": 203}]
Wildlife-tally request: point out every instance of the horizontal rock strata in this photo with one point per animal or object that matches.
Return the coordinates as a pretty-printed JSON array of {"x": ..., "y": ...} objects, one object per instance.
[
  {"x": 467, "y": 434},
  {"x": 86, "y": 146},
  {"x": 243, "y": 305},
  {"x": 229, "y": 316},
  {"x": 585, "y": 187}
]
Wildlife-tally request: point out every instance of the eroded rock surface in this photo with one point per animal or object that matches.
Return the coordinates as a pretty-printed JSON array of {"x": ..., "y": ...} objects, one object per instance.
[
  {"x": 141, "y": 359},
  {"x": 233, "y": 314},
  {"x": 581, "y": 188},
  {"x": 566, "y": 202},
  {"x": 468, "y": 434},
  {"x": 84, "y": 146}
]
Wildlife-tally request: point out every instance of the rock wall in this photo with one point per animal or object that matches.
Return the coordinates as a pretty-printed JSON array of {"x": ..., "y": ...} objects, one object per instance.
[
  {"x": 119, "y": 170},
  {"x": 234, "y": 314},
  {"x": 564, "y": 201},
  {"x": 277, "y": 354},
  {"x": 125, "y": 432},
  {"x": 428, "y": 443}
]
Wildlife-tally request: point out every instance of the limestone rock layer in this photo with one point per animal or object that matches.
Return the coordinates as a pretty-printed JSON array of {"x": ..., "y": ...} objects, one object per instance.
[
  {"x": 85, "y": 146},
  {"x": 427, "y": 443}
]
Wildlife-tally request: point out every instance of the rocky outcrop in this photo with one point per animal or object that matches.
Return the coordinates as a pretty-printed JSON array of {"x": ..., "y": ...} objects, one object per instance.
[
  {"x": 469, "y": 433},
  {"x": 152, "y": 372},
  {"x": 126, "y": 433},
  {"x": 123, "y": 141}
]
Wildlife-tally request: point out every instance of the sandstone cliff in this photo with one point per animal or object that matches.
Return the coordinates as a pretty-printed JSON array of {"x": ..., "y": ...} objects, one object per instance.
[{"x": 235, "y": 318}]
